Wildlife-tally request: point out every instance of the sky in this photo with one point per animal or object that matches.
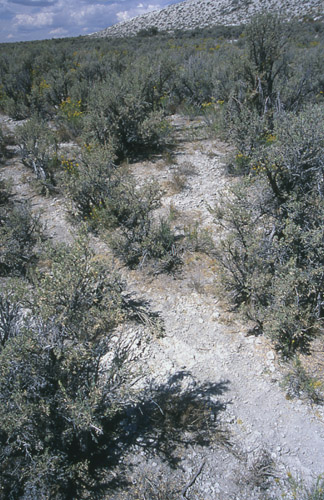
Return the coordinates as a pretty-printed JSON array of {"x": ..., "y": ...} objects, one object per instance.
[{"x": 22, "y": 20}]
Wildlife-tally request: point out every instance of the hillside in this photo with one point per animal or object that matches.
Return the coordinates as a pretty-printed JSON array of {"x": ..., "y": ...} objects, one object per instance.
[{"x": 193, "y": 14}]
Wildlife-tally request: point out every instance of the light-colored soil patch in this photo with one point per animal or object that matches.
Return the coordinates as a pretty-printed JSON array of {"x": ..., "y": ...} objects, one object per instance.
[{"x": 206, "y": 346}]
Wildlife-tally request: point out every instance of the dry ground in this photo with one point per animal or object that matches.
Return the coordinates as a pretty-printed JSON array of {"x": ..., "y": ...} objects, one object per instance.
[{"x": 256, "y": 432}]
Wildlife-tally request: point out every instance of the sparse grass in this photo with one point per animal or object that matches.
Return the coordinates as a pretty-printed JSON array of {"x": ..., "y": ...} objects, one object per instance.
[
  {"x": 256, "y": 472},
  {"x": 169, "y": 158},
  {"x": 197, "y": 283},
  {"x": 198, "y": 272},
  {"x": 177, "y": 183},
  {"x": 198, "y": 238},
  {"x": 296, "y": 489},
  {"x": 299, "y": 384},
  {"x": 149, "y": 487},
  {"x": 187, "y": 169},
  {"x": 174, "y": 213},
  {"x": 179, "y": 178}
]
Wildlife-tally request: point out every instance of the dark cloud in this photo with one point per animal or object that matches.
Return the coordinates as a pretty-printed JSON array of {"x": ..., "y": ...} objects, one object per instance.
[{"x": 34, "y": 3}]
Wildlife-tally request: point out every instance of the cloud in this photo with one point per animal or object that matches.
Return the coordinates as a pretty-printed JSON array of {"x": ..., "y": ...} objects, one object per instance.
[
  {"x": 140, "y": 9},
  {"x": 96, "y": 11},
  {"x": 39, "y": 19},
  {"x": 36, "y": 20},
  {"x": 58, "y": 31}
]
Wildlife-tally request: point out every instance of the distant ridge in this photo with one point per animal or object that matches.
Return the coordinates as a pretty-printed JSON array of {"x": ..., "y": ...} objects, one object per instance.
[{"x": 193, "y": 14}]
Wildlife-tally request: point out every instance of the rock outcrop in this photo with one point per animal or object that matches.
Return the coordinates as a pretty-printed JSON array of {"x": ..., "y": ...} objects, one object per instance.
[{"x": 193, "y": 14}]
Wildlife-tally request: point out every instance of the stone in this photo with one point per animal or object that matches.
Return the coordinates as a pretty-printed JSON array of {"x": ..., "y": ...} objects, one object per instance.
[{"x": 199, "y": 13}]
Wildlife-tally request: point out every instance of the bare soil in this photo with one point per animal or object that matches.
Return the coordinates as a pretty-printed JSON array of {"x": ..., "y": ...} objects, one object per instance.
[{"x": 259, "y": 437}]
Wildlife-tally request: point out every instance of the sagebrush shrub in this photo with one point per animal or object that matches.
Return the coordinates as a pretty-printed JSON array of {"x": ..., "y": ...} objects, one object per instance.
[
  {"x": 89, "y": 179},
  {"x": 20, "y": 231},
  {"x": 2, "y": 145},
  {"x": 120, "y": 115},
  {"x": 66, "y": 378},
  {"x": 38, "y": 147},
  {"x": 272, "y": 253},
  {"x": 149, "y": 242}
]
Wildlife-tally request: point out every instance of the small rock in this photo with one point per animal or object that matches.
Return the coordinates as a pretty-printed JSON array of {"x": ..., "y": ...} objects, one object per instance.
[{"x": 270, "y": 355}]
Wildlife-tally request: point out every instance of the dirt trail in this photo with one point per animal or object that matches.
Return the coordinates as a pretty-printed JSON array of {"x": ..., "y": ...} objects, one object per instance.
[{"x": 202, "y": 341}]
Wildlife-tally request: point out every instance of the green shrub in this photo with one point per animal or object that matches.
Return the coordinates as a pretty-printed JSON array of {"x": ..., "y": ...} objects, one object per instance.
[
  {"x": 16, "y": 84},
  {"x": 148, "y": 32},
  {"x": 59, "y": 397},
  {"x": 38, "y": 148},
  {"x": 78, "y": 291},
  {"x": 66, "y": 379},
  {"x": 89, "y": 180},
  {"x": 272, "y": 255},
  {"x": 2, "y": 145},
  {"x": 121, "y": 115},
  {"x": 104, "y": 195},
  {"x": 39, "y": 98},
  {"x": 197, "y": 239},
  {"x": 10, "y": 318},
  {"x": 138, "y": 238},
  {"x": 20, "y": 231},
  {"x": 109, "y": 200},
  {"x": 246, "y": 129},
  {"x": 70, "y": 117},
  {"x": 268, "y": 73},
  {"x": 267, "y": 39},
  {"x": 195, "y": 81},
  {"x": 4, "y": 192},
  {"x": 274, "y": 277},
  {"x": 148, "y": 242},
  {"x": 292, "y": 157}
]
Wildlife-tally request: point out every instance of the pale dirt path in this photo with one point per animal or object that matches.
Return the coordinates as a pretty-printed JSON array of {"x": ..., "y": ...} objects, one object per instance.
[
  {"x": 258, "y": 414},
  {"x": 201, "y": 340},
  {"x": 52, "y": 209}
]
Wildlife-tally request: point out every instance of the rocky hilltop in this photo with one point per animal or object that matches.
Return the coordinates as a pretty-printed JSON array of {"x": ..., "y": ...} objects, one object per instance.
[{"x": 193, "y": 14}]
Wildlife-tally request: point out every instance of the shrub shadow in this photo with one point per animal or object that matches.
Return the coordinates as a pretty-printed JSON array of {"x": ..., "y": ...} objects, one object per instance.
[{"x": 168, "y": 418}]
